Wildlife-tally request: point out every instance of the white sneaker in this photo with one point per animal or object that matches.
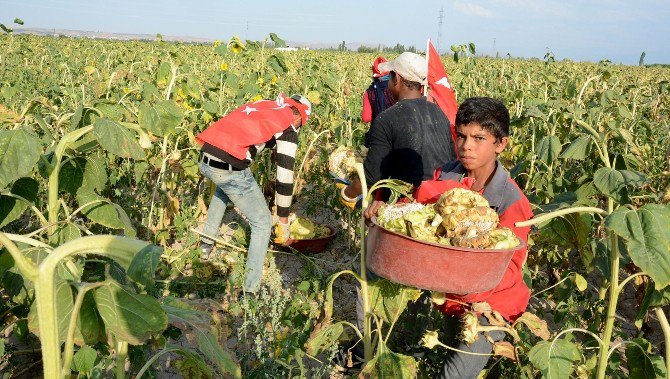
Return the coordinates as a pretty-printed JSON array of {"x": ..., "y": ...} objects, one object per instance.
[{"x": 205, "y": 250}]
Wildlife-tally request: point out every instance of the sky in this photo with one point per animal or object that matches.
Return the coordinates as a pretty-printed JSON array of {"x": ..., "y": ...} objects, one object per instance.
[{"x": 574, "y": 29}]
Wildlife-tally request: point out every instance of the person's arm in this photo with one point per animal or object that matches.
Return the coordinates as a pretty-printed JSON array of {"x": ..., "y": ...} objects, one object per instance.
[
  {"x": 518, "y": 212},
  {"x": 379, "y": 143},
  {"x": 287, "y": 145},
  {"x": 366, "y": 114}
]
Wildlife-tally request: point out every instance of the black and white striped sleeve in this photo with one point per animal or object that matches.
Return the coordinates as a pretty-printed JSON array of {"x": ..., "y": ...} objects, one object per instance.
[{"x": 287, "y": 145}]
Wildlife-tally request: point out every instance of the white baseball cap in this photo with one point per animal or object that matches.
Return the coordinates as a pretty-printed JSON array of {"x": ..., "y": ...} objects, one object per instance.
[{"x": 410, "y": 66}]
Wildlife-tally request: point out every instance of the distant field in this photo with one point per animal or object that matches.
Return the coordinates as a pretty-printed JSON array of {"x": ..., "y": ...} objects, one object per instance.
[{"x": 97, "y": 138}]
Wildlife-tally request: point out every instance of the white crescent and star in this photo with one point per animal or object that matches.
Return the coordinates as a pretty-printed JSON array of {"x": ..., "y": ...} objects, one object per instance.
[
  {"x": 249, "y": 109},
  {"x": 444, "y": 82}
]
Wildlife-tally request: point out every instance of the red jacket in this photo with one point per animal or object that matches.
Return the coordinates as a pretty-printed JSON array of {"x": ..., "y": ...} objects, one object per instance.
[
  {"x": 251, "y": 124},
  {"x": 366, "y": 114},
  {"x": 511, "y": 296}
]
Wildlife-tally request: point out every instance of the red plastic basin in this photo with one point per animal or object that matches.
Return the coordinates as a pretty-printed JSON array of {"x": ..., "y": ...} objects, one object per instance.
[
  {"x": 314, "y": 245},
  {"x": 429, "y": 266}
]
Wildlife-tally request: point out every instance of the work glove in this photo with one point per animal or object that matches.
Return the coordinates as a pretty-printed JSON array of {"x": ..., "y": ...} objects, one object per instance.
[
  {"x": 347, "y": 201},
  {"x": 282, "y": 232}
]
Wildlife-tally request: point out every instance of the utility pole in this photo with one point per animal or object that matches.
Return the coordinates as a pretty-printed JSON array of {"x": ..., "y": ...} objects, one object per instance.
[
  {"x": 494, "y": 48},
  {"x": 439, "y": 29},
  {"x": 246, "y": 36}
]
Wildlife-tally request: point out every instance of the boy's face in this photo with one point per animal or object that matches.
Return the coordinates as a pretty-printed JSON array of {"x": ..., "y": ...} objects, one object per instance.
[
  {"x": 477, "y": 147},
  {"x": 297, "y": 118}
]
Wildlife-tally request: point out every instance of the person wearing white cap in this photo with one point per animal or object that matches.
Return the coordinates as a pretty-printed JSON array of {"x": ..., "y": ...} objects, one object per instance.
[
  {"x": 408, "y": 140},
  {"x": 411, "y": 66},
  {"x": 228, "y": 147}
]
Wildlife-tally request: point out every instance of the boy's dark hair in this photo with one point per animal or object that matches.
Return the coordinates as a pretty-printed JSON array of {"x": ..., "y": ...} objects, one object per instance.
[{"x": 490, "y": 113}]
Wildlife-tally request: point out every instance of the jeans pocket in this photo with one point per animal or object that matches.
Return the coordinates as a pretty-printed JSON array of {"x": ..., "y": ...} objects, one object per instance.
[
  {"x": 203, "y": 168},
  {"x": 218, "y": 176},
  {"x": 238, "y": 183}
]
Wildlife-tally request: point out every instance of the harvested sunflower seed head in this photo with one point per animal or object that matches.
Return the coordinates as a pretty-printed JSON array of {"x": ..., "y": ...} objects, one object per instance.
[
  {"x": 341, "y": 161},
  {"x": 461, "y": 198},
  {"x": 482, "y": 218},
  {"x": 398, "y": 210},
  {"x": 472, "y": 237},
  {"x": 502, "y": 238},
  {"x": 430, "y": 339},
  {"x": 438, "y": 298},
  {"x": 303, "y": 228},
  {"x": 470, "y": 332}
]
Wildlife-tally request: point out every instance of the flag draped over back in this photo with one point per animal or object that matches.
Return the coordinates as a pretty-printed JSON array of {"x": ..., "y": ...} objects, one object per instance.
[{"x": 441, "y": 92}]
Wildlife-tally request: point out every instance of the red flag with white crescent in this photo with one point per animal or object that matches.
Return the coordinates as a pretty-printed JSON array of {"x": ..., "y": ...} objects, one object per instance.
[{"x": 441, "y": 91}]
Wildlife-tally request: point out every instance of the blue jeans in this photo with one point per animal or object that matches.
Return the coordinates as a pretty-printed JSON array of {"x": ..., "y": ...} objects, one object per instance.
[
  {"x": 457, "y": 365},
  {"x": 468, "y": 366},
  {"x": 241, "y": 188}
]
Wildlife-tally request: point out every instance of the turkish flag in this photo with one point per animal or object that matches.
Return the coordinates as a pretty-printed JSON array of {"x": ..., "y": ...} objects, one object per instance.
[
  {"x": 441, "y": 92},
  {"x": 250, "y": 124}
]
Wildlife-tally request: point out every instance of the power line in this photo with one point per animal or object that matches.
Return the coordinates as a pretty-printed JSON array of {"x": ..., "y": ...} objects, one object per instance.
[{"x": 439, "y": 29}]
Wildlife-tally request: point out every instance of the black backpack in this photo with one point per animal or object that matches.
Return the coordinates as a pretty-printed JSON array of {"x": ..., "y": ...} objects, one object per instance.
[{"x": 380, "y": 96}]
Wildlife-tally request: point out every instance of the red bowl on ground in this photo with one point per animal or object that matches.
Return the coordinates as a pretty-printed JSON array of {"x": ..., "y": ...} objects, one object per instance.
[
  {"x": 435, "y": 267},
  {"x": 314, "y": 245}
]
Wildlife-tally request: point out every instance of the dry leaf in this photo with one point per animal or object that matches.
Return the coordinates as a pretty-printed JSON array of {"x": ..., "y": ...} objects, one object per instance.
[
  {"x": 481, "y": 307},
  {"x": 495, "y": 318},
  {"x": 505, "y": 349},
  {"x": 536, "y": 325}
]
